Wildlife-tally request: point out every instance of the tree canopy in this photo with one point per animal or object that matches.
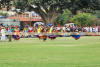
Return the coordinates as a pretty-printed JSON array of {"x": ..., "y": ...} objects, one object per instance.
[
  {"x": 47, "y": 9},
  {"x": 84, "y": 19},
  {"x": 5, "y": 4},
  {"x": 50, "y": 9},
  {"x": 64, "y": 17}
]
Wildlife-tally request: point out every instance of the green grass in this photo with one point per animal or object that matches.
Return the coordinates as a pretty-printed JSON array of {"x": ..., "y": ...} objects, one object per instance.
[{"x": 62, "y": 52}]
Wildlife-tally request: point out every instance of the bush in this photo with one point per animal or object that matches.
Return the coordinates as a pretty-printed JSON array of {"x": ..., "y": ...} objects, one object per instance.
[
  {"x": 3, "y": 14},
  {"x": 84, "y": 19}
]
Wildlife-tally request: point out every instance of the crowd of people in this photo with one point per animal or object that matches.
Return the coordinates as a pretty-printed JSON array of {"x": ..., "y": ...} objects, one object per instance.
[
  {"x": 16, "y": 30},
  {"x": 50, "y": 29},
  {"x": 42, "y": 28}
]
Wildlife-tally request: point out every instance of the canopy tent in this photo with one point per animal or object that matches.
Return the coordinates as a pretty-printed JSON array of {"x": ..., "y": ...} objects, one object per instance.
[
  {"x": 38, "y": 23},
  {"x": 70, "y": 24}
]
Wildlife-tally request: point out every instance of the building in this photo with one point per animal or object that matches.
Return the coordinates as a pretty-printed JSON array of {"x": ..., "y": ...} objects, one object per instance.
[{"x": 26, "y": 18}]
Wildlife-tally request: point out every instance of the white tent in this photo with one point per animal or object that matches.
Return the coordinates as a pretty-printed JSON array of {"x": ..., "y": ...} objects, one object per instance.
[
  {"x": 38, "y": 23},
  {"x": 70, "y": 24}
]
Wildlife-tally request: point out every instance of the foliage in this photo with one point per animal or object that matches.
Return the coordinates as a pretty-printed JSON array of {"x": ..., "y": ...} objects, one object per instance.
[
  {"x": 5, "y": 4},
  {"x": 63, "y": 18},
  {"x": 3, "y": 14},
  {"x": 84, "y": 5},
  {"x": 20, "y": 5},
  {"x": 83, "y": 19},
  {"x": 47, "y": 9},
  {"x": 50, "y": 9},
  {"x": 97, "y": 22}
]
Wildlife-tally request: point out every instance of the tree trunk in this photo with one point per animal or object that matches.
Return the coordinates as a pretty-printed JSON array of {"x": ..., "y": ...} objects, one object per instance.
[
  {"x": 48, "y": 16},
  {"x": 50, "y": 19}
]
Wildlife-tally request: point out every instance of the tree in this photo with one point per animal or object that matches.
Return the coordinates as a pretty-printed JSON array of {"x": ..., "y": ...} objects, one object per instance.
[
  {"x": 64, "y": 17},
  {"x": 50, "y": 9},
  {"x": 20, "y": 4},
  {"x": 84, "y": 5},
  {"x": 6, "y": 4},
  {"x": 84, "y": 19},
  {"x": 47, "y": 9}
]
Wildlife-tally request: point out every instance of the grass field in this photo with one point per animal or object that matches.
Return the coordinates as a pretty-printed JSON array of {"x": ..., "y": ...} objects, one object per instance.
[{"x": 62, "y": 52}]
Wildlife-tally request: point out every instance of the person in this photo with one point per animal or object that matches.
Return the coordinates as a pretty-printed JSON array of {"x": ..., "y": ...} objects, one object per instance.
[
  {"x": 30, "y": 29},
  {"x": 51, "y": 30},
  {"x": 3, "y": 33},
  {"x": 80, "y": 29},
  {"x": 93, "y": 29},
  {"x": 90, "y": 29},
  {"x": 16, "y": 34},
  {"x": 39, "y": 29},
  {"x": 96, "y": 29},
  {"x": 68, "y": 29},
  {"x": 9, "y": 34},
  {"x": 64, "y": 29}
]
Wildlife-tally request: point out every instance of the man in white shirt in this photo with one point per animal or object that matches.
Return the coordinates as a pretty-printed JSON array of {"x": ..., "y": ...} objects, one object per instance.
[
  {"x": 90, "y": 29},
  {"x": 96, "y": 29},
  {"x": 64, "y": 29},
  {"x": 3, "y": 33}
]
